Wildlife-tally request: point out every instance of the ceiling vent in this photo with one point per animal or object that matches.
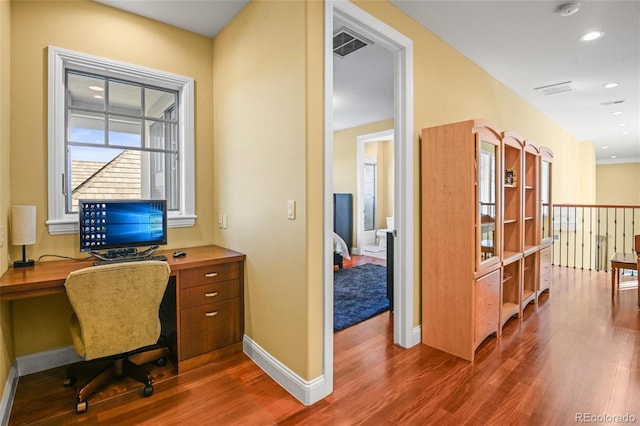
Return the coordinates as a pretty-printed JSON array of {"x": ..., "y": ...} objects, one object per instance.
[
  {"x": 554, "y": 89},
  {"x": 612, "y": 102},
  {"x": 346, "y": 41}
]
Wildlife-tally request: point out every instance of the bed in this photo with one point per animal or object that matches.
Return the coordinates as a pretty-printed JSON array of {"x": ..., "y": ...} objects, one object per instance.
[{"x": 340, "y": 250}]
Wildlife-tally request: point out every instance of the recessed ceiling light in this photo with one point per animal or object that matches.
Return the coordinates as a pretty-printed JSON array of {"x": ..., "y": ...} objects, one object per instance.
[
  {"x": 614, "y": 156},
  {"x": 96, "y": 88},
  {"x": 592, "y": 35},
  {"x": 617, "y": 113},
  {"x": 625, "y": 133},
  {"x": 605, "y": 147},
  {"x": 622, "y": 124},
  {"x": 611, "y": 85},
  {"x": 98, "y": 96}
]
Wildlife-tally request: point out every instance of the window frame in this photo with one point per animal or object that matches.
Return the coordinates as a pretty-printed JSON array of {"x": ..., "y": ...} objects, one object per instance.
[{"x": 61, "y": 222}]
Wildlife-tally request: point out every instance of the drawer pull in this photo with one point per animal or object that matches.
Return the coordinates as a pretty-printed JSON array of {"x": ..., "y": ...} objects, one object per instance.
[
  {"x": 211, "y": 274},
  {"x": 212, "y": 294},
  {"x": 211, "y": 314}
]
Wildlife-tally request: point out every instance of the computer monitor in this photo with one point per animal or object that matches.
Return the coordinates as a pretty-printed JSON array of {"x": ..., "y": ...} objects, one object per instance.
[{"x": 121, "y": 224}]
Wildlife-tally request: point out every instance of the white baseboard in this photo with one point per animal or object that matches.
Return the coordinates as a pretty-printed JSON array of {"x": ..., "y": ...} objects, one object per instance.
[
  {"x": 28, "y": 364},
  {"x": 416, "y": 335},
  {"x": 7, "y": 397},
  {"x": 307, "y": 392},
  {"x": 41, "y": 361}
]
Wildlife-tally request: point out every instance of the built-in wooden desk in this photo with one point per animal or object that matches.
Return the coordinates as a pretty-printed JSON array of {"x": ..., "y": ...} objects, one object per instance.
[{"x": 208, "y": 291}]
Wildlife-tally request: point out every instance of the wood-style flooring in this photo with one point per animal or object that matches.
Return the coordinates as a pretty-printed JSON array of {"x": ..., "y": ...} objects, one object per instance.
[{"x": 576, "y": 353}]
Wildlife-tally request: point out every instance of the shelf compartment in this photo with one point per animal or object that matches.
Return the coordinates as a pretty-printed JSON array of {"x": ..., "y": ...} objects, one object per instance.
[
  {"x": 508, "y": 310},
  {"x": 511, "y": 289},
  {"x": 529, "y": 278}
]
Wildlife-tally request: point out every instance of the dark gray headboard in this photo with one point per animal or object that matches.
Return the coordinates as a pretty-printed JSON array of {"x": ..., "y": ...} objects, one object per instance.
[{"x": 343, "y": 217}]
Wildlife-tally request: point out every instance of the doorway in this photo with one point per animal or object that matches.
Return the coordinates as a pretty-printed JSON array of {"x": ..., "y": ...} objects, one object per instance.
[
  {"x": 402, "y": 48},
  {"x": 376, "y": 191}
]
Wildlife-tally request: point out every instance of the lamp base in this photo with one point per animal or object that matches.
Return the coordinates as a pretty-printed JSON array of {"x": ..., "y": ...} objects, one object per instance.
[{"x": 22, "y": 263}]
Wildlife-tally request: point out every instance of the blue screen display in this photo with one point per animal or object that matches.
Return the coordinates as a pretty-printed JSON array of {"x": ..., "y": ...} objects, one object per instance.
[{"x": 107, "y": 224}]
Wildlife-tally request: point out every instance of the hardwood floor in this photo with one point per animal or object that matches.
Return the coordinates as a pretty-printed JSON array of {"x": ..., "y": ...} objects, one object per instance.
[{"x": 576, "y": 353}]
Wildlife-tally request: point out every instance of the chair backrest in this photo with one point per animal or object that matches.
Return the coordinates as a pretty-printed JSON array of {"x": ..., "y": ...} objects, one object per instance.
[
  {"x": 117, "y": 306},
  {"x": 637, "y": 244}
]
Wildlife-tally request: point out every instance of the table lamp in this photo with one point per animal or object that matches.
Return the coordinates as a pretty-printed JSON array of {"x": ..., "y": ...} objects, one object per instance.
[{"x": 23, "y": 231}]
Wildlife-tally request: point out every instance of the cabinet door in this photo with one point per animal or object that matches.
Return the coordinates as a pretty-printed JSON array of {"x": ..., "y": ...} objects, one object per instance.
[
  {"x": 545, "y": 199},
  {"x": 487, "y": 306},
  {"x": 545, "y": 270},
  {"x": 208, "y": 327},
  {"x": 488, "y": 201}
]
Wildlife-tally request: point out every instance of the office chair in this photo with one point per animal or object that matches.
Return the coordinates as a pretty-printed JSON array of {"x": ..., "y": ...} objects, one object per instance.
[{"x": 116, "y": 317}]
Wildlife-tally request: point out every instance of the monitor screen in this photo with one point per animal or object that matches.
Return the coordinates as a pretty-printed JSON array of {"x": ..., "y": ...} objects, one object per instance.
[{"x": 108, "y": 224}]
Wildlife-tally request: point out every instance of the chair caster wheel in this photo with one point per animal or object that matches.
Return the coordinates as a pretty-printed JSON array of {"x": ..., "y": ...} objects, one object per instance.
[
  {"x": 161, "y": 362},
  {"x": 69, "y": 381},
  {"x": 82, "y": 407},
  {"x": 148, "y": 390}
]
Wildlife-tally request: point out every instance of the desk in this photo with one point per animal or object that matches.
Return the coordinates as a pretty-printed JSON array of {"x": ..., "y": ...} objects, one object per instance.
[
  {"x": 622, "y": 261},
  {"x": 208, "y": 278}
]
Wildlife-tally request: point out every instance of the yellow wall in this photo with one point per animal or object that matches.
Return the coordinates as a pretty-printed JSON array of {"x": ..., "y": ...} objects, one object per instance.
[
  {"x": 618, "y": 184},
  {"x": 6, "y": 332},
  {"x": 345, "y": 166},
  {"x": 96, "y": 29},
  {"x": 267, "y": 121},
  {"x": 261, "y": 82}
]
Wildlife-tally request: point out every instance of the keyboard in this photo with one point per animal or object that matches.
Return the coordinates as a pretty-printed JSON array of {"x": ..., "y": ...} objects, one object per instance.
[{"x": 129, "y": 259}]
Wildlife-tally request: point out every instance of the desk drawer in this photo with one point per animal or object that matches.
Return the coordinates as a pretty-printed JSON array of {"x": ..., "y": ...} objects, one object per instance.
[
  {"x": 209, "y": 293},
  {"x": 209, "y": 327},
  {"x": 209, "y": 274}
]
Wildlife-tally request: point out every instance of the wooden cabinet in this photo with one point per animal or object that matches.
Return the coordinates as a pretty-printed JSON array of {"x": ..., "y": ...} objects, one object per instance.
[
  {"x": 485, "y": 198},
  {"x": 210, "y": 313},
  {"x": 461, "y": 242}
]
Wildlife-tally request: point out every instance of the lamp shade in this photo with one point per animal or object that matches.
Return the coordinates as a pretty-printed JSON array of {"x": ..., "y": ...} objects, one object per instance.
[{"x": 23, "y": 225}]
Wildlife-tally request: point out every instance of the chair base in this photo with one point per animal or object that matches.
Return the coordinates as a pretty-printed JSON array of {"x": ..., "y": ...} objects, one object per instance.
[{"x": 129, "y": 365}]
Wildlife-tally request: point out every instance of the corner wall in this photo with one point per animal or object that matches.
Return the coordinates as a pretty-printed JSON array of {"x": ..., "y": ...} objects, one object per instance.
[{"x": 267, "y": 120}]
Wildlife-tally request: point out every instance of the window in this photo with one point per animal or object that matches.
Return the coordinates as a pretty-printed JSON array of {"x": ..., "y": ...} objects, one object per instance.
[{"x": 117, "y": 131}]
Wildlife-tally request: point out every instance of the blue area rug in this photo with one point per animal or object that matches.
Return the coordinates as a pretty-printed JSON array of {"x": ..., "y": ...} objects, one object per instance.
[{"x": 358, "y": 294}]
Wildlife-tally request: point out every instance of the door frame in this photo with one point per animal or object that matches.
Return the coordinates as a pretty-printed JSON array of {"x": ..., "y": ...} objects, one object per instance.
[
  {"x": 361, "y": 141},
  {"x": 402, "y": 48}
]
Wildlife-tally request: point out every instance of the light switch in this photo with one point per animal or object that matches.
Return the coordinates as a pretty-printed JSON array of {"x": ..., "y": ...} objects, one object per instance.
[
  {"x": 220, "y": 221},
  {"x": 2, "y": 235},
  {"x": 291, "y": 209},
  {"x": 224, "y": 221}
]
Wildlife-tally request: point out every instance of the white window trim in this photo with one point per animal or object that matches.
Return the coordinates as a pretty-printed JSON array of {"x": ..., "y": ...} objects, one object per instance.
[{"x": 60, "y": 222}]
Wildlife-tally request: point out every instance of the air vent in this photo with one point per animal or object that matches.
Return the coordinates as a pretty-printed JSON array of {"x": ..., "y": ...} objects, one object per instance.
[
  {"x": 346, "y": 42},
  {"x": 612, "y": 102},
  {"x": 554, "y": 89}
]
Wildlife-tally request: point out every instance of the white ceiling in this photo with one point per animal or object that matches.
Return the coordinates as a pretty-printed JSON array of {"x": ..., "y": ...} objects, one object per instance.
[{"x": 522, "y": 43}]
